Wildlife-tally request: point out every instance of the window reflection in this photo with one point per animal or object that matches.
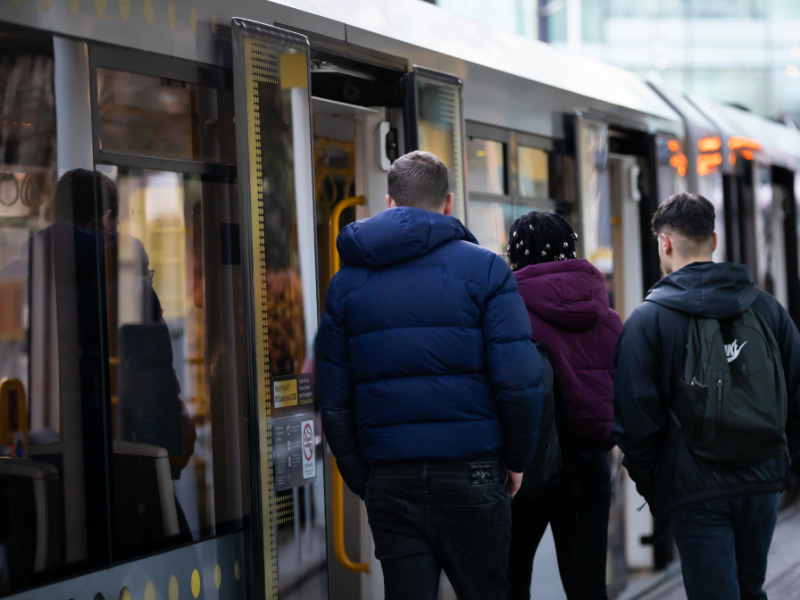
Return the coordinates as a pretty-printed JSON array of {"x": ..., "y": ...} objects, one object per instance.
[
  {"x": 533, "y": 172},
  {"x": 769, "y": 234},
  {"x": 175, "y": 329},
  {"x": 439, "y": 117},
  {"x": 596, "y": 242},
  {"x": 486, "y": 166},
  {"x": 710, "y": 187},
  {"x": 140, "y": 114},
  {"x": 490, "y": 222},
  {"x": 48, "y": 338}
]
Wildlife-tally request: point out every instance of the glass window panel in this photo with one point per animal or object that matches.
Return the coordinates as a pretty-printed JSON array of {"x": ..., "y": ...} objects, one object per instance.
[
  {"x": 490, "y": 223},
  {"x": 50, "y": 339},
  {"x": 532, "y": 167},
  {"x": 595, "y": 242},
  {"x": 770, "y": 272},
  {"x": 141, "y": 114},
  {"x": 710, "y": 187},
  {"x": 439, "y": 117},
  {"x": 53, "y": 234},
  {"x": 486, "y": 165},
  {"x": 671, "y": 166},
  {"x": 176, "y": 348}
]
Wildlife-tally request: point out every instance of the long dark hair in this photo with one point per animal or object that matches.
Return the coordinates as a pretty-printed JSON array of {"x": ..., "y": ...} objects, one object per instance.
[{"x": 540, "y": 237}]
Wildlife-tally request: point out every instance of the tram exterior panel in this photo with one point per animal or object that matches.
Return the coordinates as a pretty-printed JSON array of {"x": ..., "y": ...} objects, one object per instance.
[{"x": 238, "y": 267}]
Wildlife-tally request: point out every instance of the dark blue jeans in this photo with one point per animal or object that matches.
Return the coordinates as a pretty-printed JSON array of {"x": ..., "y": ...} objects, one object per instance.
[
  {"x": 451, "y": 515},
  {"x": 724, "y": 544}
]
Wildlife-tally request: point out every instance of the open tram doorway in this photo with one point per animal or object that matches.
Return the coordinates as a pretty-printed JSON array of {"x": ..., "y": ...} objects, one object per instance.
[
  {"x": 366, "y": 112},
  {"x": 348, "y": 186},
  {"x": 764, "y": 197}
]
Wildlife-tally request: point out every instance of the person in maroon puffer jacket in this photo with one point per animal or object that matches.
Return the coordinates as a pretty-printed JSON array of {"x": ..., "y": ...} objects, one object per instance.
[{"x": 569, "y": 311}]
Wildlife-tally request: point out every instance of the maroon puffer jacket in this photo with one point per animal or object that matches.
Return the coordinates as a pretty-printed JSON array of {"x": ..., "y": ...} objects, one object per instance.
[{"x": 568, "y": 308}]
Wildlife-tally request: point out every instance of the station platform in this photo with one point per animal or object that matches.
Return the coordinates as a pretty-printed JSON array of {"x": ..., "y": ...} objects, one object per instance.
[{"x": 783, "y": 568}]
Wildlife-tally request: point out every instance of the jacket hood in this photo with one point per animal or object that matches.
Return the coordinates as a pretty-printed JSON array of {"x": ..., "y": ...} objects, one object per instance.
[
  {"x": 396, "y": 235},
  {"x": 708, "y": 290},
  {"x": 569, "y": 294}
]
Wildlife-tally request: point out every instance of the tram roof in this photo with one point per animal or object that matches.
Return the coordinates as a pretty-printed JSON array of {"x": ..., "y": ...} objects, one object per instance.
[
  {"x": 779, "y": 144},
  {"x": 538, "y": 81},
  {"x": 701, "y": 125},
  {"x": 426, "y": 26}
]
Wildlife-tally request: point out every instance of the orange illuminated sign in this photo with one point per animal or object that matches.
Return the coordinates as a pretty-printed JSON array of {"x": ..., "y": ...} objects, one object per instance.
[
  {"x": 679, "y": 162},
  {"x": 747, "y": 154},
  {"x": 709, "y": 144},
  {"x": 674, "y": 145},
  {"x": 705, "y": 162},
  {"x": 738, "y": 142}
]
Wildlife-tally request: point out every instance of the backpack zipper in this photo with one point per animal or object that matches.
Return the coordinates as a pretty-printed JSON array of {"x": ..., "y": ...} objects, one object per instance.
[
  {"x": 696, "y": 383},
  {"x": 719, "y": 408}
]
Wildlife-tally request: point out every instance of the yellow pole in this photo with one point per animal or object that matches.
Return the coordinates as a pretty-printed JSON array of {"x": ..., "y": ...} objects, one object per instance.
[
  {"x": 333, "y": 226},
  {"x": 338, "y": 483}
]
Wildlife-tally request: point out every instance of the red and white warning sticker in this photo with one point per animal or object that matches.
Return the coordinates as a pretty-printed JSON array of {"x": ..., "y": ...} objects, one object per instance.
[{"x": 309, "y": 449}]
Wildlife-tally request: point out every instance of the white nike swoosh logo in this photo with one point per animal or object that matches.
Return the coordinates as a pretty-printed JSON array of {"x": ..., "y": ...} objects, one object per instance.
[{"x": 735, "y": 356}]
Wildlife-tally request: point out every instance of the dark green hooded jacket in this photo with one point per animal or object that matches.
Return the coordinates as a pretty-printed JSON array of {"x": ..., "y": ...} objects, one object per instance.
[{"x": 650, "y": 357}]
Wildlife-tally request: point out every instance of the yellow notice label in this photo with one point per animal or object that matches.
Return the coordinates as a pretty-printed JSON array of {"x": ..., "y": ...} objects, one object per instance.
[
  {"x": 293, "y": 70},
  {"x": 285, "y": 393}
]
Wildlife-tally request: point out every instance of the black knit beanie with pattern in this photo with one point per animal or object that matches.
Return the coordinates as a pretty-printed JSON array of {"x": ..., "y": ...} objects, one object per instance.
[{"x": 540, "y": 237}]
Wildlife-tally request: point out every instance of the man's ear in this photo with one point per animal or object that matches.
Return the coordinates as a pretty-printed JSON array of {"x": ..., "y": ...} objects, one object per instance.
[
  {"x": 668, "y": 245},
  {"x": 716, "y": 240},
  {"x": 108, "y": 222},
  {"x": 390, "y": 203},
  {"x": 448, "y": 205}
]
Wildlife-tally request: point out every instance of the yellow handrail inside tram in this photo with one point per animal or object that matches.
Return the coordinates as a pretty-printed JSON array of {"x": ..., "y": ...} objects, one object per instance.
[
  {"x": 333, "y": 227},
  {"x": 338, "y": 483}
]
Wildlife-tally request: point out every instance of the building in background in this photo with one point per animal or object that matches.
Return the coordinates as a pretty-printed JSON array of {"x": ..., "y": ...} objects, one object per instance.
[{"x": 743, "y": 52}]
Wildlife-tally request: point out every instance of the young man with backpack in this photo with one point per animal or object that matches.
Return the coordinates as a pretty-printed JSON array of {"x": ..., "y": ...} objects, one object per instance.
[{"x": 707, "y": 405}]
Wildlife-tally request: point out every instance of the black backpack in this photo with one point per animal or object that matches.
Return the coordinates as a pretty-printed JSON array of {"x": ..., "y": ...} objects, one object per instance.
[
  {"x": 545, "y": 471},
  {"x": 732, "y": 402}
]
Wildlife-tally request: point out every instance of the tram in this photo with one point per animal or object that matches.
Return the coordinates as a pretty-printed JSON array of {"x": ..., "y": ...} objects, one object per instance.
[{"x": 157, "y": 423}]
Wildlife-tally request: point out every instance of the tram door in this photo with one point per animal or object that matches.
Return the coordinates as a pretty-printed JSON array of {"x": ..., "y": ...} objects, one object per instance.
[
  {"x": 764, "y": 229},
  {"x": 279, "y": 265}
]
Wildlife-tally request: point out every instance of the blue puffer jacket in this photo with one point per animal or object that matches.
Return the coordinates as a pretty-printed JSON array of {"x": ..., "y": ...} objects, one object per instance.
[{"x": 424, "y": 350}]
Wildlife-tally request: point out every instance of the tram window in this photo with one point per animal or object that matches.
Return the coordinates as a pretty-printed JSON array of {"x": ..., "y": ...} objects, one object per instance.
[
  {"x": 671, "y": 165},
  {"x": 49, "y": 333},
  {"x": 486, "y": 165},
  {"x": 439, "y": 116},
  {"x": 710, "y": 187},
  {"x": 596, "y": 239},
  {"x": 491, "y": 222},
  {"x": 153, "y": 116},
  {"x": 532, "y": 167},
  {"x": 175, "y": 344}
]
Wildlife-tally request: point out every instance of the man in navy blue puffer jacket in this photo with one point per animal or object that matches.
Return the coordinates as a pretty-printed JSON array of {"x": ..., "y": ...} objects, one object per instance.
[{"x": 430, "y": 387}]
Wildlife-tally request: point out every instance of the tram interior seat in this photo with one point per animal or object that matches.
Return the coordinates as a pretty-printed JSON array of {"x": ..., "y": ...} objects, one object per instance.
[
  {"x": 144, "y": 509},
  {"x": 31, "y": 519}
]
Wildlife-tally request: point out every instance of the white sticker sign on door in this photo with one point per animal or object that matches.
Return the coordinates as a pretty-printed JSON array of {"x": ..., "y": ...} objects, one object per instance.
[{"x": 309, "y": 445}]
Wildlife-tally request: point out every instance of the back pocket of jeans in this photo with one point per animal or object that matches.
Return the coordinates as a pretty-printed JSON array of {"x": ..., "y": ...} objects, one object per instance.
[
  {"x": 477, "y": 528},
  {"x": 389, "y": 529}
]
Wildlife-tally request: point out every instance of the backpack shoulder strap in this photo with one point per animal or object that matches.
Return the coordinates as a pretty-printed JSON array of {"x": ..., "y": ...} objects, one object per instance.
[
  {"x": 772, "y": 343},
  {"x": 702, "y": 350}
]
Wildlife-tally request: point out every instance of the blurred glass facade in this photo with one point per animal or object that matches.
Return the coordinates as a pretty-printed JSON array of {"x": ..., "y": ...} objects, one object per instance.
[{"x": 744, "y": 52}]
